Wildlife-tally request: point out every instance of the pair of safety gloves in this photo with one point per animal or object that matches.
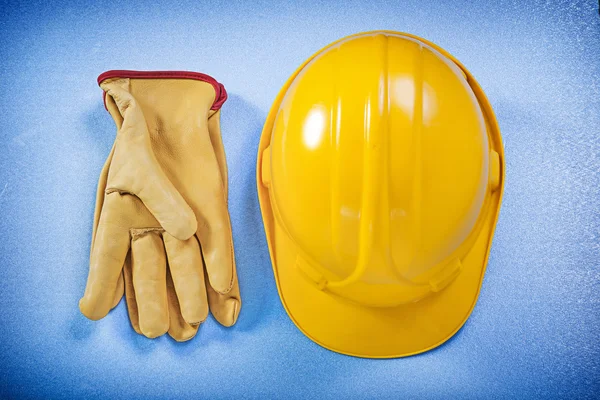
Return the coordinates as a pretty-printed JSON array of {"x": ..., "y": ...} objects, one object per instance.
[{"x": 162, "y": 233}]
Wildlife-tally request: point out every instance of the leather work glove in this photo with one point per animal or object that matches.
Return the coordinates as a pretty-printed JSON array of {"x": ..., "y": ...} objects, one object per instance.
[{"x": 161, "y": 230}]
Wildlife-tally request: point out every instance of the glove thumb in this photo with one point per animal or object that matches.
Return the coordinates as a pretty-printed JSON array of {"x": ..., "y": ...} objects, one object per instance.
[{"x": 135, "y": 169}]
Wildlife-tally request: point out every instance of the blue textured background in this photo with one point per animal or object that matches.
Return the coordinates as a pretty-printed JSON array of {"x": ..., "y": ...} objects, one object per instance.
[{"x": 535, "y": 331}]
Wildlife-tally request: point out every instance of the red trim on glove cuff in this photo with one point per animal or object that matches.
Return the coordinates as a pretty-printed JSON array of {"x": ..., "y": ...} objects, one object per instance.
[{"x": 220, "y": 93}]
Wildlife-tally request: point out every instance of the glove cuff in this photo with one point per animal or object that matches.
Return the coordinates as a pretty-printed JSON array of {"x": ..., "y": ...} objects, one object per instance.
[{"x": 220, "y": 93}]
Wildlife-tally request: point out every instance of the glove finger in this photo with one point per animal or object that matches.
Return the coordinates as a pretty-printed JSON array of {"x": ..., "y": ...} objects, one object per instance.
[
  {"x": 225, "y": 307},
  {"x": 187, "y": 272},
  {"x": 217, "y": 244},
  {"x": 132, "y": 308},
  {"x": 179, "y": 329},
  {"x": 118, "y": 292},
  {"x": 111, "y": 244},
  {"x": 149, "y": 272},
  {"x": 135, "y": 169}
]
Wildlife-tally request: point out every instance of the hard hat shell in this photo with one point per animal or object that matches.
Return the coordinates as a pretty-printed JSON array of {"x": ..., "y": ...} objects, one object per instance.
[{"x": 380, "y": 174}]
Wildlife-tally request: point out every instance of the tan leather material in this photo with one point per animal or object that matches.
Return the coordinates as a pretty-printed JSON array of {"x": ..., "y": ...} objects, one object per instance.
[
  {"x": 224, "y": 307},
  {"x": 162, "y": 232},
  {"x": 149, "y": 272},
  {"x": 179, "y": 329},
  {"x": 130, "y": 299},
  {"x": 214, "y": 131},
  {"x": 187, "y": 273},
  {"x": 135, "y": 170}
]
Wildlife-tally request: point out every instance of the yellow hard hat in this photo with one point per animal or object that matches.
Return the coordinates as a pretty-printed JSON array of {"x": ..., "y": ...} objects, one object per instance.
[{"x": 380, "y": 174}]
